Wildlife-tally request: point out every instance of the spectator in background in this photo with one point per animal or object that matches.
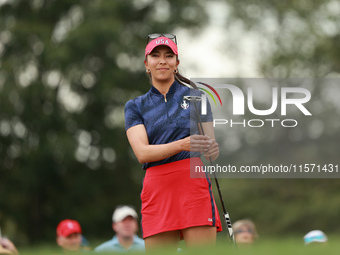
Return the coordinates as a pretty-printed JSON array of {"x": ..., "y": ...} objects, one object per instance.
[
  {"x": 245, "y": 232},
  {"x": 125, "y": 225},
  {"x": 315, "y": 236},
  {"x": 7, "y": 247},
  {"x": 69, "y": 236}
]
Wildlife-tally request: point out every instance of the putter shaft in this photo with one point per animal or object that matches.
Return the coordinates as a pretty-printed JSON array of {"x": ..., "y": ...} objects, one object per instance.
[{"x": 225, "y": 213}]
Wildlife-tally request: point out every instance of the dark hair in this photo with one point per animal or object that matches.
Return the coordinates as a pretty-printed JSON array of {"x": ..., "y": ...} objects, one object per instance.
[{"x": 181, "y": 80}]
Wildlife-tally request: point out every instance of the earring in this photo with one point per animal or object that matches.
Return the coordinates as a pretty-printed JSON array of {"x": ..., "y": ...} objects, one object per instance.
[
  {"x": 147, "y": 71},
  {"x": 175, "y": 71}
]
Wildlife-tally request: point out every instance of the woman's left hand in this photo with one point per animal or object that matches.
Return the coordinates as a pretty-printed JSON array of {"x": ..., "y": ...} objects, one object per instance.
[{"x": 213, "y": 150}]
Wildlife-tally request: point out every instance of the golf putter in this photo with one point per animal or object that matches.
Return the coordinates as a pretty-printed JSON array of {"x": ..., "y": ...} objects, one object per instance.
[{"x": 226, "y": 216}]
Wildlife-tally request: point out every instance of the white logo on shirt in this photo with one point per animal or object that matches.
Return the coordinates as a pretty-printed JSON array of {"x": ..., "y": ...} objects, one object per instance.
[
  {"x": 209, "y": 219},
  {"x": 184, "y": 105}
]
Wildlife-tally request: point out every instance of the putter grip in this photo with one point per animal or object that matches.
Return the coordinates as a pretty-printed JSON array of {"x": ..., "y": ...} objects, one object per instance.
[{"x": 192, "y": 98}]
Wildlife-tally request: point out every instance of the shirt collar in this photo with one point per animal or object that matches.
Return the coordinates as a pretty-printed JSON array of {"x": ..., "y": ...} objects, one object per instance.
[{"x": 172, "y": 89}]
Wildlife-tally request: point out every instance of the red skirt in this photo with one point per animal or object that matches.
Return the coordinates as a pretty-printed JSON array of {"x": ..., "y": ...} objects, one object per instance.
[{"x": 171, "y": 200}]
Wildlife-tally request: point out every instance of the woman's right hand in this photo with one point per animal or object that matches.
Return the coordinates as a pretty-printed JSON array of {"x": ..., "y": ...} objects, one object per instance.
[{"x": 196, "y": 143}]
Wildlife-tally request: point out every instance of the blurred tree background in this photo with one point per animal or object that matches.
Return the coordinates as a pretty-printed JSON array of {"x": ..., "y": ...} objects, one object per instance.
[
  {"x": 68, "y": 67},
  {"x": 67, "y": 70}
]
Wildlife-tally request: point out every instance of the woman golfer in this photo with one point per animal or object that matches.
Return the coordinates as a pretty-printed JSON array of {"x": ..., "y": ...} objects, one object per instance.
[{"x": 165, "y": 138}]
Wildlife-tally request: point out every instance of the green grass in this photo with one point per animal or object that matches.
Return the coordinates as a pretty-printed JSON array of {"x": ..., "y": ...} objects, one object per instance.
[{"x": 264, "y": 246}]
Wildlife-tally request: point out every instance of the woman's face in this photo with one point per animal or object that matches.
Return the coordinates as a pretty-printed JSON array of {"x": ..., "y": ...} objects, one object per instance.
[{"x": 162, "y": 63}]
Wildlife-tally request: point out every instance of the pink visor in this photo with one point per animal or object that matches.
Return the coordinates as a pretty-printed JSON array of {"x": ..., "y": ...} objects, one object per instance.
[{"x": 161, "y": 41}]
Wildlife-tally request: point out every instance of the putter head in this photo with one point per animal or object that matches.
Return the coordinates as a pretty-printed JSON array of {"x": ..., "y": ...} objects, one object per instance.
[{"x": 192, "y": 98}]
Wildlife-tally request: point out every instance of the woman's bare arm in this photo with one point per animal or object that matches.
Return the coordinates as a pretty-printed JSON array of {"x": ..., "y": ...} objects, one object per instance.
[{"x": 145, "y": 152}]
